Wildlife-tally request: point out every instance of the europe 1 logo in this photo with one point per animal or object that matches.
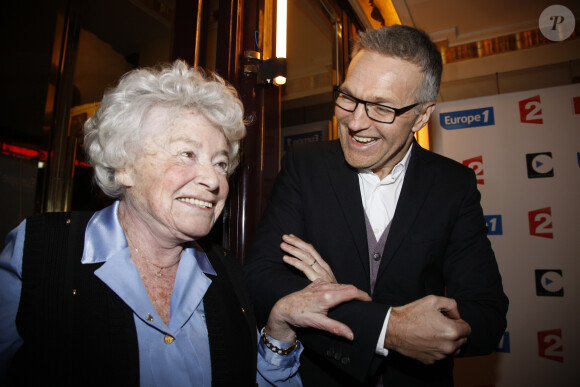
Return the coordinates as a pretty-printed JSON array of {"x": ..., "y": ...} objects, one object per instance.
[
  {"x": 494, "y": 226},
  {"x": 504, "y": 343},
  {"x": 531, "y": 110},
  {"x": 541, "y": 223}
]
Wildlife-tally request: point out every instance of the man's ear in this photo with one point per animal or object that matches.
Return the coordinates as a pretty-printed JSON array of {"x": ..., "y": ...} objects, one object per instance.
[
  {"x": 124, "y": 176},
  {"x": 423, "y": 117}
]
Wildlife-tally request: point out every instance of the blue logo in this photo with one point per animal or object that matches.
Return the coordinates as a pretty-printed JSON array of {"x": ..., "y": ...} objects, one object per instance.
[
  {"x": 504, "y": 343},
  {"x": 493, "y": 224},
  {"x": 467, "y": 118}
]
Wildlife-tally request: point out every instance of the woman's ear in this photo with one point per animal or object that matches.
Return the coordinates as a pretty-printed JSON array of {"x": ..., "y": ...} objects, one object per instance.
[
  {"x": 423, "y": 117},
  {"x": 124, "y": 176}
]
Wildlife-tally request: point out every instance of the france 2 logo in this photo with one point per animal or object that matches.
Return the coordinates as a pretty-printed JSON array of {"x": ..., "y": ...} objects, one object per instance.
[
  {"x": 550, "y": 345},
  {"x": 541, "y": 223},
  {"x": 531, "y": 110},
  {"x": 476, "y": 163}
]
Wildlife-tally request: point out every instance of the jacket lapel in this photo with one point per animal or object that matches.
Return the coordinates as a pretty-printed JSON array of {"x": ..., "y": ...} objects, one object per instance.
[
  {"x": 418, "y": 180},
  {"x": 344, "y": 181}
]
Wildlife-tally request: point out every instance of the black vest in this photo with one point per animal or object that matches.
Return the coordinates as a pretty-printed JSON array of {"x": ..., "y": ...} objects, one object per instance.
[{"x": 77, "y": 331}]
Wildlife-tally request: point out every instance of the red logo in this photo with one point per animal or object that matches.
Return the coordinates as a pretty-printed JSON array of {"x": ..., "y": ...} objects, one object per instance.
[
  {"x": 531, "y": 110},
  {"x": 550, "y": 345},
  {"x": 576, "y": 102},
  {"x": 476, "y": 163},
  {"x": 541, "y": 223}
]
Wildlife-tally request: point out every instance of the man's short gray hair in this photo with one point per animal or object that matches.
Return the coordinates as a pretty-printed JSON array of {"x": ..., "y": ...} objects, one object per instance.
[{"x": 410, "y": 44}]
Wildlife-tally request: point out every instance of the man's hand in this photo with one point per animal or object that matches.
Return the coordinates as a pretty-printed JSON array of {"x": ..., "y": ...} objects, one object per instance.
[
  {"x": 304, "y": 257},
  {"x": 308, "y": 308},
  {"x": 428, "y": 329}
]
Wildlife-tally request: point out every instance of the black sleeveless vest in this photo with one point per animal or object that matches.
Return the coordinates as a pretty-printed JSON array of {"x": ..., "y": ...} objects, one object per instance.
[{"x": 77, "y": 331}]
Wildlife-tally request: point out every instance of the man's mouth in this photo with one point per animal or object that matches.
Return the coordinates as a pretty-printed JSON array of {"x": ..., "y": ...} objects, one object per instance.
[
  {"x": 196, "y": 202},
  {"x": 363, "y": 140}
]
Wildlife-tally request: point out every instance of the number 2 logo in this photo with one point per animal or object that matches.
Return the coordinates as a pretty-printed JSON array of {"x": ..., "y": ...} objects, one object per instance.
[
  {"x": 550, "y": 345},
  {"x": 476, "y": 163},
  {"x": 531, "y": 110},
  {"x": 541, "y": 223}
]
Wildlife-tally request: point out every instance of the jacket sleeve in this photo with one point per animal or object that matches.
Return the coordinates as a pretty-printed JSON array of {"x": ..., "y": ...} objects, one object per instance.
[{"x": 268, "y": 278}]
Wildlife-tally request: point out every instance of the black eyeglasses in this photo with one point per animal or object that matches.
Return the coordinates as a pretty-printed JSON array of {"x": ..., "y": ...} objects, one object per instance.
[{"x": 375, "y": 111}]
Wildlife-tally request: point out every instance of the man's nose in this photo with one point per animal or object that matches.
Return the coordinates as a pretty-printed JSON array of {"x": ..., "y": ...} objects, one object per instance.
[{"x": 359, "y": 118}]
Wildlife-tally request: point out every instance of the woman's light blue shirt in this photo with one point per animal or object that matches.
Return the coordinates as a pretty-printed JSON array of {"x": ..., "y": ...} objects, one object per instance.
[{"x": 183, "y": 362}]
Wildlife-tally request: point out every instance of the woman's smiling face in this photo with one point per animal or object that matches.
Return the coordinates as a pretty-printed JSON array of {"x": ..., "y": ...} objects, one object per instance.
[{"x": 178, "y": 185}]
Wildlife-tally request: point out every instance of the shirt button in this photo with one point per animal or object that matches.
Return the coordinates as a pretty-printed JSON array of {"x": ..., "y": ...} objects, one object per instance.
[
  {"x": 377, "y": 256},
  {"x": 168, "y": 339}
]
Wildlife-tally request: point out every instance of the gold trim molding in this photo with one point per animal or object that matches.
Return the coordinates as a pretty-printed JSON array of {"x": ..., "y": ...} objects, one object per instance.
[{"x": 499, "y": 45}]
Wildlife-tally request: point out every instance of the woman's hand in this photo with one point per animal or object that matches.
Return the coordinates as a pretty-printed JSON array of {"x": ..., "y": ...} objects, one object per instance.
[
  {"x": 304, "y": 257},
  {"x": 308, "y": 308}
]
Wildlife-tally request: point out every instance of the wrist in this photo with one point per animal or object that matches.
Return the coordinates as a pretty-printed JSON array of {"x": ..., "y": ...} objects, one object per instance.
[
  {"x": 277, "y": 325},
  {"x": 275, "y": 346}
]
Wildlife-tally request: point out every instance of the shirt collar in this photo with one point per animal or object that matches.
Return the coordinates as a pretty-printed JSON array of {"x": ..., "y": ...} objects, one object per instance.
[
  {"x": 396, "y": 172},
  {"x": 105, "y": 238}
]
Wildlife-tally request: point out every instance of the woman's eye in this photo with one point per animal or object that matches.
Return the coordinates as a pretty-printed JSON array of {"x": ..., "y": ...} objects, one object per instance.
[
  {"x": 223, "y": 166},
  {"x": 189, "y": 155}
]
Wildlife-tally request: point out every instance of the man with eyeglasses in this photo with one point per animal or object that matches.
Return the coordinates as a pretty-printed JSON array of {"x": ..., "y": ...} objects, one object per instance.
[{"x": 376, "y": 210}]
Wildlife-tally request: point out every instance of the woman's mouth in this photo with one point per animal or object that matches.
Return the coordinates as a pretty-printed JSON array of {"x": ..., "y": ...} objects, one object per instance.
[{"x": 196, "y": 202}]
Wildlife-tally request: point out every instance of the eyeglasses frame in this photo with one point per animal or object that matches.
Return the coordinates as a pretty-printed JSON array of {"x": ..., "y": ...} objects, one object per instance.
[{"x": 336, "y": 91}]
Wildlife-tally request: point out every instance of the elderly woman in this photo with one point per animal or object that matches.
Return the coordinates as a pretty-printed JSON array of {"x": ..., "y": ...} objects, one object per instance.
[{"x": 133, "y": 294}]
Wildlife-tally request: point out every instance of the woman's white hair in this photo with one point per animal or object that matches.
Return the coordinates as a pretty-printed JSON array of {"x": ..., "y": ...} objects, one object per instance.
[{"x": 114, "y": 135}]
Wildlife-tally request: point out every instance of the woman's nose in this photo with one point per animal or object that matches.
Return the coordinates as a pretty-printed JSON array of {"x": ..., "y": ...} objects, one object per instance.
[{"x": 207, "y": 175}]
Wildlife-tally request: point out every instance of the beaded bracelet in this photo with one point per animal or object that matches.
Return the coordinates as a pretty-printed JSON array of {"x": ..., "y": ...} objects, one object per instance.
[{"x": 273, "y": 348}]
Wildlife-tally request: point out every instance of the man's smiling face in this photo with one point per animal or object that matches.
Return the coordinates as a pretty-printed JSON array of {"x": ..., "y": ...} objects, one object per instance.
[{"x": 390, "y": 81}]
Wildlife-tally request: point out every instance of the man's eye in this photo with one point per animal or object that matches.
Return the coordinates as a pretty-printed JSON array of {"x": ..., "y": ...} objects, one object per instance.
[
  {"x": 383, "y": 110},
  {"x": 347, "y": 98}
]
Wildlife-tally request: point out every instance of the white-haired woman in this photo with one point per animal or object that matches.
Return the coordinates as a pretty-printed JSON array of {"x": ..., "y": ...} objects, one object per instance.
[{"x": 133, "y": 294}]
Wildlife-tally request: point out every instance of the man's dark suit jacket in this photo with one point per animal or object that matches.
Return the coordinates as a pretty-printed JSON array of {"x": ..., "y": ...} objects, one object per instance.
[{"x": 437, "y": 245}]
